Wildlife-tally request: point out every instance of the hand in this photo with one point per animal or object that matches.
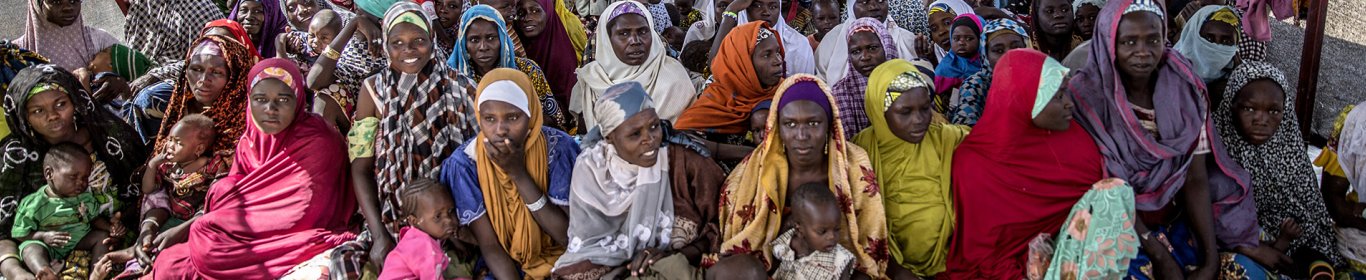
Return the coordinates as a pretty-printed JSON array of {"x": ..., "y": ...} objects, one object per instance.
[
  {"x": 739, "y": 6},
  {"x": 145, "y": 246},
  {"x": 922, "y": 47},
  {"x": 158, "y": 160},
  {"x": 142, "y": 82},
  {"x": 380, "y": 245},
  {"x": 1167, "y": 268},
  {"x": 101, "y": 269},
  {"x": 1267, "y": 256},
  {"x": 116, "y": 231},
  {"x": 508, "y": 157},
  {"x": 1289, "y": 231},
  {"x": 46, "y": 274},
  {"x": 111, "y": 87},
  {"x": 644, "y": 260},
  {"x": 171, "y": 236},
  {"x": 1204, "y": 273},
  {"x": 54, "y": 238},
  {"x": 83, "y": 75}
]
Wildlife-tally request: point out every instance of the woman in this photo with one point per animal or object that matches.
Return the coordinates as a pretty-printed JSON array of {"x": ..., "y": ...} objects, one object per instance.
[
  {"x": 965, "y": 57},
  {"x": 357, "y": 53},
  {"x": 1001, "y": 200},
  {"x": 484, "y": 45},
  {"x": 1189, "y": 162},
  {"x": 12, "y": 60},
  {"x": 163, "y": 30},
  {"x": 746, "y": 71},
  {"x": 263, "y": 22},
  {"x": 1342, "y": 185},
  {"x": 1209, "y": 40},
  {"x": 913, "y": 156},
  {"x": 636, "y": 173},
  {"x": 289, "y": 167},
  {"x": 502, "y": 180},
  {"x": 998, "y": 37},
  {"x": 411, "y": 116},
  {"x": 832, "y": 55},
  {"x": 1258, "y": 124},
  {"x": 869, "y": 46},
  {"x": 149, "y": 107},
  {"x": 554, "y": 39},
  {"x": 805, "y": 122},
  {"x": 1051, "y": 26},
  {"x": 214, "y": 84},
  {"x": 56, "y": 31},
  {"x": 1084, "y": 17},
  {"x": 626, "y": 54},
  {"x": 796, "y": 48},
  {"x": 50, "y": 106}
]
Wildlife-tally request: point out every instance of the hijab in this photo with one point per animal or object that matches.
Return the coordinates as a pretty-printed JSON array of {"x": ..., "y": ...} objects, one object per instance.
[
  {"x": 558, "y": 49},
  {"x": 953, "y": 7},
  {"x": 725, "y": 105},
  {"x": 1156, "y": 168},
  {"x": 163, "y": 30},
  {"x": 849, "y": 91},
  {"x": 953, "y": 69},
  {"x": 239, "y": 34},
  {"x": 373, "y": 7},
  {"x": 70, "y": 46},
  {"x": 460, "y": 57},
  {"x": 1208, "y": 59},
  {"x": 274, "y": 24},
  {"x": 1351, "y": 150},
  {"x": 226, "y": 110},
  {"x": 799, "y": 57},
  {"x": 662, "y": 76}
]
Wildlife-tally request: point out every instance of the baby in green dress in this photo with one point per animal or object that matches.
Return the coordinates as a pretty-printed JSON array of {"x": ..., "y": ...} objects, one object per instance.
[{"x": 61, "y": 216}]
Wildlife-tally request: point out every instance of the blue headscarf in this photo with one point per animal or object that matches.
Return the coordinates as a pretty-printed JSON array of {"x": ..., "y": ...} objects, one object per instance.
[
  {"x": 953, "y": 69},
  {"x": 998, "y": 25},
  {"x": 375, "y": 7},
  {"x": 460, "y": 57}
]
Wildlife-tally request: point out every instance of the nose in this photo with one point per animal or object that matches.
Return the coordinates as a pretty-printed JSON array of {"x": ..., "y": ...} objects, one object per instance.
[{"x": 1067, "y": 103}]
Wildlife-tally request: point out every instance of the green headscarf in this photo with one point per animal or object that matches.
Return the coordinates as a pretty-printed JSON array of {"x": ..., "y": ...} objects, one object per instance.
[{"x": 128, "y": 62}]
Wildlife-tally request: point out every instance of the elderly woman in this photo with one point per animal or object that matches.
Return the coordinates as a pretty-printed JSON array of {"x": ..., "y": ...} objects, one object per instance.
[
  {"x": 637, "y": 174},
  {"x": 505, "y": 179},
  {"x": 216, "y": 64},
  {"x": 1209, "y": 40},
  {"x": 806, "y": 145},
  {"x": 912, "y": 149},
  {"x": 411, "y": 116},
  {"x": 746, "y": 71},
  {"x": 55, "y": 30},
  {"x": 50, "y": 106},
  {"x": 628, "y": 50},
  {"x": 1131, "y": 70},
  {"x": 998, "y": 37},
  {"x": 290, "y": 167},
  {"x": 870, "y": 44},
  {"x": 1257, "y": 122},
  {"x": 484, "y": 45}
]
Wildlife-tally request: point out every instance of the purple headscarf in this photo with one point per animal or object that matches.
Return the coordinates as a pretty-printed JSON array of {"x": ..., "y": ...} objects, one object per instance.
[
  {"x": 274, "y": 24},
  {"x": 808, "y": 91},
  {"x": 1156, "y": 166}
]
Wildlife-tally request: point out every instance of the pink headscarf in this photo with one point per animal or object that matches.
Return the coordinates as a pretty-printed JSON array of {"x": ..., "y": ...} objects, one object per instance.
[{"x": 70, "y": 46}]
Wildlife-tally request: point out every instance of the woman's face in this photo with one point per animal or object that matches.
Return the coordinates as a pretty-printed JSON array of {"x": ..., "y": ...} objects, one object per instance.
[
  {"x": 866, "y": 52},
  {"x": 506, "y": 8},
  {"x": 448, "y": 11},
  {"x": 272, "y": 105},
  {"x": 876, "y": 9},
  {"x": 1219, "y": 32},
  {"x": 1055, "y": 17},
  {"x": 61, "y": 12},
  {"x": 208, "y": 76},
  {"x": 1258, "y": 109},
  {"x": 637, "y": 139},
  {"x": 805, "y": 131},
  {"x": 252, "y": 15},
  {"x": 1139, "y": 44},
  {"x": 300, "y": 12},
  {"x": 500, "y": 121},
  {"x": 533, "y": 19},
  {"x": 768, "y": 62},
  {"x": 910, "y": 114},
  {"x": 630, "y": 37},
  {"x": 765, "y": 10},
  {"x": 483, "y": 44},
  {"x": 52, "y": 115},
  {"x": 997, "y": 46},
  {"x": 1057, "y": 115},
  {"x": 964, "y": 41},
  {"x": 1086, "y": 20},
  {"x": 409, "y": 48},
  {"x": 939, "y": 28}
]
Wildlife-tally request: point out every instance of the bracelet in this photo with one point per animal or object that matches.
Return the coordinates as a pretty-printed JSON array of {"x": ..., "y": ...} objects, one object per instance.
[
  {"x": 6, "y": 257},
  {"x": 331, "y": 53},
  {"x": 731, "y": 14},
  {"x": 154, "y": 222},
  {"x": 536, "y": 206}
]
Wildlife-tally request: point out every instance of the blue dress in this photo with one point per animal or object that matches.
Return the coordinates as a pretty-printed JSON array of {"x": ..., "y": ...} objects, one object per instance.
[{"x": 461, "y": 175}]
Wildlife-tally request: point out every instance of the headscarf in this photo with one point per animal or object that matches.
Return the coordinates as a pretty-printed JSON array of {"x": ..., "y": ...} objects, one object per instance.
[
  {"x": 239, "y": 34},
  {"x": 226, "y": 110},
  {"x": 460, "y": 57},
  {"x": 163, "y": 30},
  {"x": 1352, "y": 150},
  {"x": 754, "y": 196},
  {"x": 70, "y": 47},
  {"x": 614, "y": 198},
  {"x": 318, "y": 5},
  {"x": 914, "y": 176},
  {"x": 664, "y": 77},
  {"x": 1076, "y": 4},
  {"x": 725, "y": 105},
  {"x": 1157, "y": 168},
  {"x": 849, "y": 91},
  {"x": 558, "y": 49},
  {"x": 274, "y": 24},
  {"x": 375, "y": 7},
  {"x": 519, "y": 234},
  {"x": 1001, "y": 198},
  {"x": 1098, "y": 240},
  {"x": 1208, "y": 59},
  {"x": 426, "y": 114},
  {"x": 798, "y": 55},
  {"x": 13, "y": 59},
  {"x": 953, "y": 69},
  {"x": 909, "y": 14},
  {"x": 965, "y": 106},
  {"x": 704, "y": 29},
  {"x": 129, "y": 63},
  {"x": 954, "y": 7},
  {"x": 997, "y": 27},
  {"x": 1283, "y": 180}
]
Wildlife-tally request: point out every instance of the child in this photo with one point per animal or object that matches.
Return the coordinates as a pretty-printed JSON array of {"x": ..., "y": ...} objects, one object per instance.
[
  {"x": 826, "y": 15},
  {"x": 694, "y": 58},
  {"x": 61, "y": 216},
  {"x": 758, "y": 121},
  {"x": 431, "y": 220},
  {"x": 178, "y": 178},
  {"x": 811, "y": 249},
  {"x": 304, "y": 48}
]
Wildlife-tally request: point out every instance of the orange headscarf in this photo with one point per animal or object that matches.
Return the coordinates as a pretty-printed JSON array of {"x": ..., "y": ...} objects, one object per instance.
[
  {"x": 725, "y": 105},
  {"x": 517, "y": 231}
]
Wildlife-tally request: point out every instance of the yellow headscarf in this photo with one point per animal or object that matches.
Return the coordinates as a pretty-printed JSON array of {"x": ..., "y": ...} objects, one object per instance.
[
  {"x": 914, "y": 177},
  {"x": 517, "y": 230},
  {"x": 754, "y": 195}
]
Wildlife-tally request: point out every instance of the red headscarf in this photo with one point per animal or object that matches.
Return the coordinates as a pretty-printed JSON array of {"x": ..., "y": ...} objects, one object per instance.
[
  {"x": 725, "y": 105},
  {"x": 1012, "y": 180},
  {"x": 286, "y": 199},
  {"x": 239, "y": 33}
]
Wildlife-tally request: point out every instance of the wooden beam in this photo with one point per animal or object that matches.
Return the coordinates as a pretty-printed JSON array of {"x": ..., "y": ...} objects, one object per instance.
[{"x": 1307, "y": 90}]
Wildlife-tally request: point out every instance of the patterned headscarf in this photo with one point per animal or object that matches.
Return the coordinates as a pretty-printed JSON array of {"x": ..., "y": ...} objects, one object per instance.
[
  {"x": 239, "y": 34},
  {"x": 998, "y": 27},
  {"x": 227, "y": 109},
  {"x": 274, "y": 24},
  {"x": 163, "y": 30},
  {"x": 849, "y": 90},
  {"x": 460, "y": 57},
  {"x": 70, "y": 46}
]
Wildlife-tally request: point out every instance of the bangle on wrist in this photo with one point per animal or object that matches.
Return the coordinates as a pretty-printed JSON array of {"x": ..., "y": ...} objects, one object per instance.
[
  {"x": 331, "y": 53},
  {"x": 731, "y": 15},
  {"x": 151, "y": 221},
  {"x": 536, "y": 206}
]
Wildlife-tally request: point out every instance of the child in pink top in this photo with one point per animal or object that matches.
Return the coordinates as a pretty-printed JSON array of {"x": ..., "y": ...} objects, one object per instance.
[{"x": 418, "y": 255}]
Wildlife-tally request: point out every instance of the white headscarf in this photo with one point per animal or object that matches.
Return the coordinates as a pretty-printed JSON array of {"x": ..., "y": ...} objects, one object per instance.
[
  {"x": 662, "y": 76},
  {"x": 1209, "y": 59},
  {"x": 1352, "y": 150}
]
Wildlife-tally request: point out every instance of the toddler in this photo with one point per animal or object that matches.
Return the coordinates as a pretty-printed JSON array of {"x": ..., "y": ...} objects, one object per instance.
[
  {"x": 825, "y": 16},
  {"x": 431, "y": 219},
  {"x": 178, "y": 178},
  {"x": 61, "y": 216},
  {"x": 811, "y": 249},
  {"x": 304, "y": 48}
]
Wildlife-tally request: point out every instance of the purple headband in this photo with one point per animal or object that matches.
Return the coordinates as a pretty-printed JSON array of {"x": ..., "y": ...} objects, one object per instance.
[
  {"x": 625, "y": 8},
  {"x": 809, "y": 91}
]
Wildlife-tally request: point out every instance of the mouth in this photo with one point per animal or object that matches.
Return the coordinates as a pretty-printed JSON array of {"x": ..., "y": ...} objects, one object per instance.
[
  {"x": 528, "y": 27},
  {"x": 410, "y": 60},
  {"x": 1061, "y": 25},
  {"x": 649, "y": 154},
  {"x": 1143, "y": 66},
  {"x": 804, "y": 150}
]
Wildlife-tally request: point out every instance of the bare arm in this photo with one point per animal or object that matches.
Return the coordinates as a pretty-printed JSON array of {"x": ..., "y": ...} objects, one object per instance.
[
  {"x": 280, "y": 45},
  {"x": 553, "y": 220},
  {"x": 726, "y": 24},
  {"x": 321, "y": 75},
  {"x": 500, "y": 264},
  {"x": 1195, "y": 196},
  {"x": 1338, "y": 207}
]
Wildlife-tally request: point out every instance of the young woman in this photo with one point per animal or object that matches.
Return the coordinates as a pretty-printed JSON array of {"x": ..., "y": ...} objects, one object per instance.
[
  {"x": 1052, "y": 27},
  {"x": 55, "y": 30},
  {"x": 484, "y": 45},
  {"x": 832, "y": 55},
  {"x": 1209, "y": 41},
  {"x": 555, "y": 39},
  {"x": 746, "y": 71},
  {"x": 870, "y": 44}
]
